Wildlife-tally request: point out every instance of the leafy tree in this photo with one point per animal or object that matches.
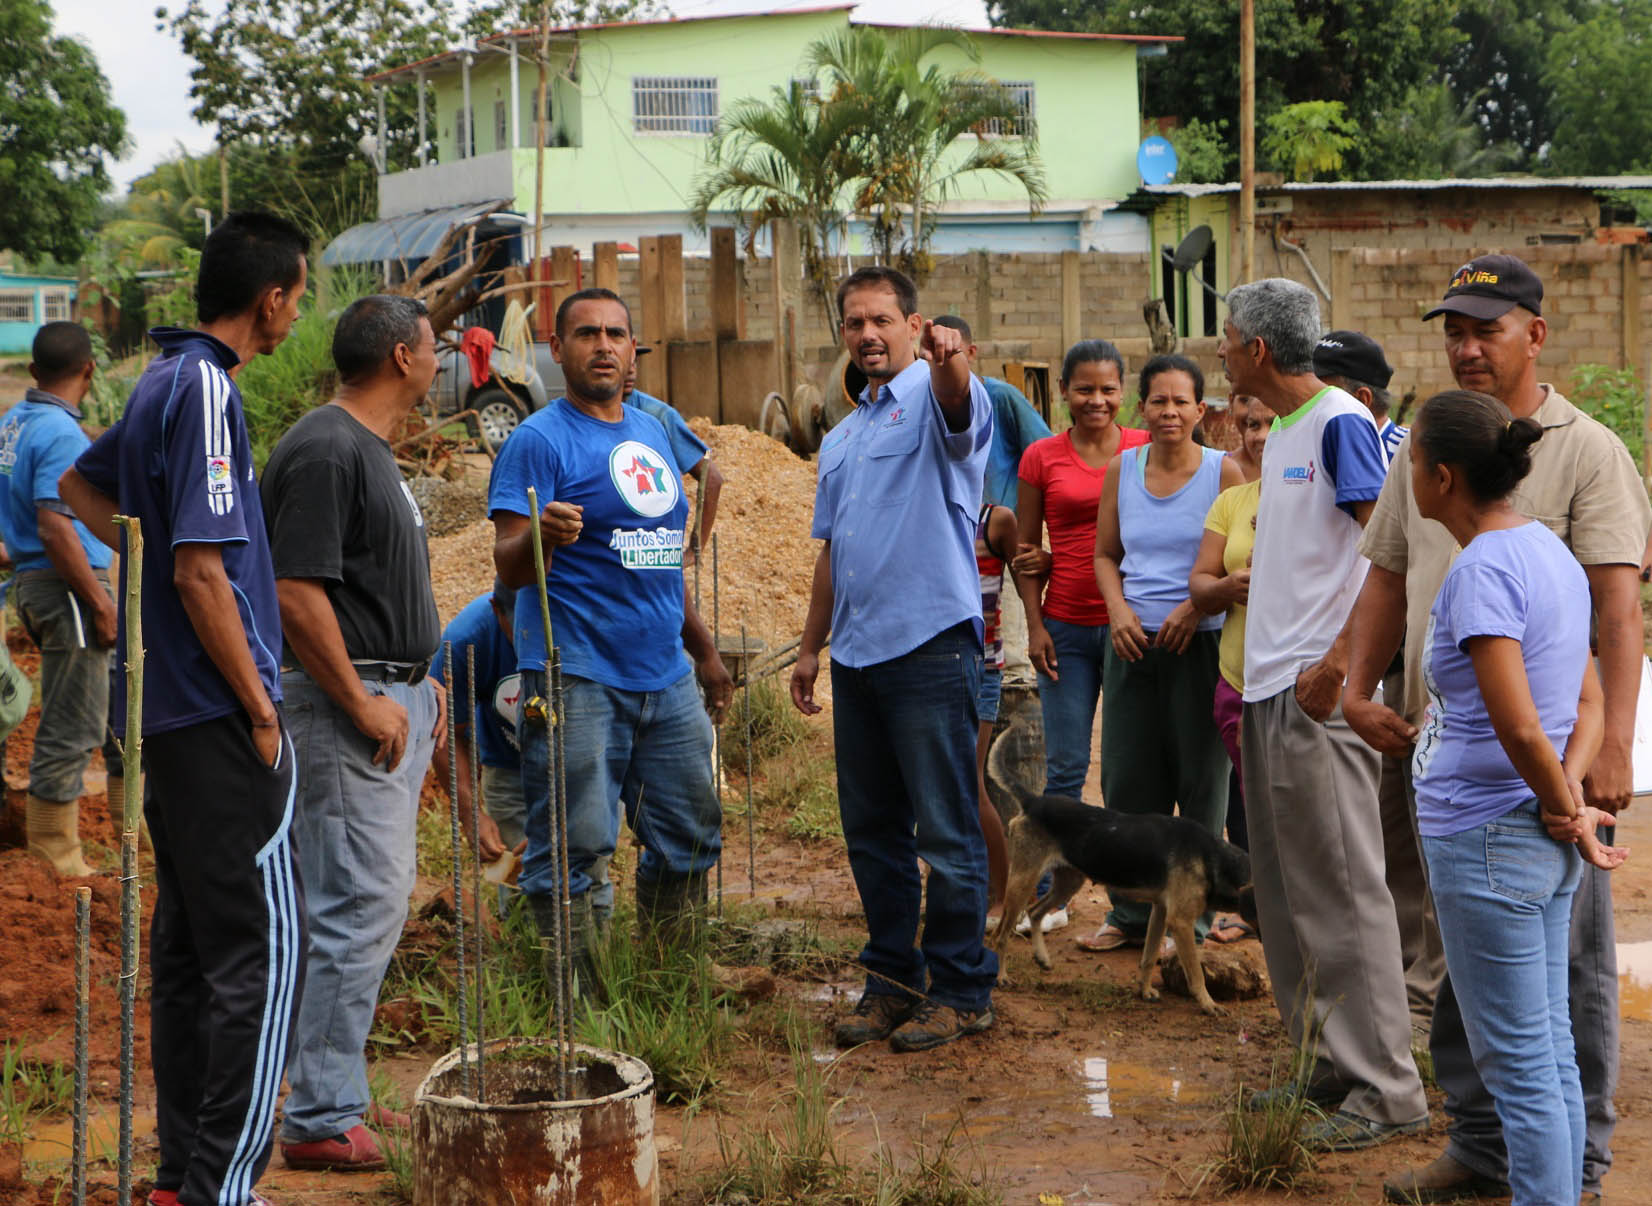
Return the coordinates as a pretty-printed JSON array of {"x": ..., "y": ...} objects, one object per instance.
[
  {"x": 911, "y": 117},
  {"x": 1201, "y": 151},
  {"x": 785, "y": 157},
  {"x": 491, "y": 16},
  {"x": 1430, "y": 135},
  {"x": 1308, "y": 138},
  {"x": 57, "y": 123},
  {"x": 1596, "y": 73},
  {"x": 157, "y": 220},
  {"x": 1363, "y": 53},
  {"x": 1499, "y": 62},
  {"x": 287, "y": 75}
]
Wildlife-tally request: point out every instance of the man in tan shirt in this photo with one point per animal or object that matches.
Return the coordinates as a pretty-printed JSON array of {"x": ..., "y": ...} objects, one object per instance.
[{"x": 1583, "y": 486}]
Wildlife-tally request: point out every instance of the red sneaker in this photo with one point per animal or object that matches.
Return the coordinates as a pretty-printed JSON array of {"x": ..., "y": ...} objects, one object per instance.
[
  {"x": 163, "y": 1197},
  {"x": 357, "y": 1150},
  {"x": 384, "y": 1119}
]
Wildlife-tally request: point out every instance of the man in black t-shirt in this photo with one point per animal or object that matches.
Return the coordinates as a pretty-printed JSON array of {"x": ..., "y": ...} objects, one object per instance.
[{"x": 353, "y": 576}]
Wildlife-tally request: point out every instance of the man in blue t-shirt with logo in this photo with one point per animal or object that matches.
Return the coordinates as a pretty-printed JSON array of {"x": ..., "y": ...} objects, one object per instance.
[
  {"x": 612, "y": 517},
  {"x": 227, "y": 942},
  {"x": 62, "y": 588}
]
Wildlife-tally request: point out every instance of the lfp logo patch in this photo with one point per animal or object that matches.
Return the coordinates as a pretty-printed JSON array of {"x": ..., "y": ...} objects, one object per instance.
[
  {"x": 218, "y": 475},
  {"x": 644, "y": 478}
]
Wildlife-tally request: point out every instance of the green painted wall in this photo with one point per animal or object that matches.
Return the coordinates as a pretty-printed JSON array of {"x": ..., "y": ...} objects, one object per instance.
[
  {"x": 1169, "y": 222},
  {"x": 1085, "y": 102}
]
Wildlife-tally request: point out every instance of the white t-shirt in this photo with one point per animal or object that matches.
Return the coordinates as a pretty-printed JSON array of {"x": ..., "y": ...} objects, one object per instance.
[{"x": 1306, "y": 569}]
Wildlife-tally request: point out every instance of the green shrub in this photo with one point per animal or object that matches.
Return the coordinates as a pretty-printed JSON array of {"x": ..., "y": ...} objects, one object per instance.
[{"x": 1617, "y": 398}]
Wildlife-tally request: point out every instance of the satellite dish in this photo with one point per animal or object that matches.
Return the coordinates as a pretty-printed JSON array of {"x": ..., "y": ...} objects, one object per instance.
[
  {"x": 1156, "y": 160},
  {"x": 1190, "y": 253}
]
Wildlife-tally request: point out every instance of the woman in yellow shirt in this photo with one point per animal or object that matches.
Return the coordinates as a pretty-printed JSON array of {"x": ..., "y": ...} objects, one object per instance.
[{"x": 1220, "y": 581}]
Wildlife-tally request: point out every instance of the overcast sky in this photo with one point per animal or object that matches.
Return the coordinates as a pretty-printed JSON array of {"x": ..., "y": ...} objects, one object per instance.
[{"x": 150, "y": 75}]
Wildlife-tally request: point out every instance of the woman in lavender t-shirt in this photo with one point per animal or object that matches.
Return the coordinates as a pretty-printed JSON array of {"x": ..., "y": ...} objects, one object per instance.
[{"x": 1514, "y": 720}]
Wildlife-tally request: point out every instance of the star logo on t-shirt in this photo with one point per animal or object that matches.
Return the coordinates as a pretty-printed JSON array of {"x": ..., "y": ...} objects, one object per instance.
[{"x": 649, "y": 477}]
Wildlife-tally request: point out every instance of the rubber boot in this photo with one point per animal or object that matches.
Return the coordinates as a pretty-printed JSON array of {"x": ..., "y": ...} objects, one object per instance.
[
  {"x": 671, "y": 909},
  {"x": 583, "y": 935},
  {"x": 54, "y": 834}
]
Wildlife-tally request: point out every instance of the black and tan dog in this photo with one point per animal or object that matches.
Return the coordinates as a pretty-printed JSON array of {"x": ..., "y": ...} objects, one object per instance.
[{"x": 1172, "y": 864}]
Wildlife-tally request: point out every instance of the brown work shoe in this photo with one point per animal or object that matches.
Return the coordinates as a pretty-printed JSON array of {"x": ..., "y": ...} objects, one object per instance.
[
  {"x": 1442, "y": 1179},
  {"x": 875, "y": 1017},
  {"x": 932, "y": 1024}
]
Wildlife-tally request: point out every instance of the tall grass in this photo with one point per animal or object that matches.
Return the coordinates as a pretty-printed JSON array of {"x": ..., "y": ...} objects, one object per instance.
[
  {"x": 276, "y": 390},
  {"x": 30, "y": 1089}
]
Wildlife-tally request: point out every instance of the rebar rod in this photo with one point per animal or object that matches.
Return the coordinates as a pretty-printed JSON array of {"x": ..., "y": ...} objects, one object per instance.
[
  {"x": 566, "y": 968},
  {"x": 132, "y": 768},
  {"x": 476, "y": 863},
  {"x": 751, "y": 829},
  {"x": 717, "y": 729},
  {"x": 553, "y": 732},
  {"x": 83, "y": 1036},
  {"x": 458, "y": 869},
  {"x": 694, "y": 529}
]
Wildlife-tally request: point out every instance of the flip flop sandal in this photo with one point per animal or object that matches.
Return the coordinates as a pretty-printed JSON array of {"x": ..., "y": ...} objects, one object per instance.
[
  {"x": 1230, "y": 929},
  {"x": 1107, "y": 938}
]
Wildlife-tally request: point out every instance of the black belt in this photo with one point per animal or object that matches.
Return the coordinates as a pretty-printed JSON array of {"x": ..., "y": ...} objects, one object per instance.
[{"x": 411, "y": 673}]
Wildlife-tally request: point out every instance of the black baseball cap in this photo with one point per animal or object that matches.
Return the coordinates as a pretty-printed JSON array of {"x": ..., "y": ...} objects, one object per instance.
[
  {"x": 1489, "y": 286},
  {"x": 1354, "y": 356}
]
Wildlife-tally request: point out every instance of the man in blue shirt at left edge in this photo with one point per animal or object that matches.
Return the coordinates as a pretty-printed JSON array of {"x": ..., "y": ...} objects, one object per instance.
[
  {"x": 896, "y": 582},
  {"x": 227, "y": 941}
]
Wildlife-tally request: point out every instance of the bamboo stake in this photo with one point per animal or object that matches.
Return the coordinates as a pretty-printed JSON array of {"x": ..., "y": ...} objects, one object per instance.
[
  {"x": 559, "y": 837},
  {"x": 132, "y": 767},
  {"x": 476, "y": 862},
  {"x": 751, "y": 840},
  {"x": 565, "y": 970},
  {"x": 458, "y": 868},
  {"x": 717, "y": 730},
  {"x": 83, "y": 1035}
]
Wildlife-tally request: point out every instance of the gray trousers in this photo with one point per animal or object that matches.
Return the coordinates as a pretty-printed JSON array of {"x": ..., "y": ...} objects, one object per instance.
[
  {"x": 1476, "y": 1137},
  {"x": 1328, "y": 928},
  {"x": 502, "y": 797},
  {"x": 74, "y": 685}
]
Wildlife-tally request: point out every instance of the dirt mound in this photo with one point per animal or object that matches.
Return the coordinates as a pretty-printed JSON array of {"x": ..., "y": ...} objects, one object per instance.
[
  {"x": 448, "y": 507},
  {"x": 37, "y": 968}
]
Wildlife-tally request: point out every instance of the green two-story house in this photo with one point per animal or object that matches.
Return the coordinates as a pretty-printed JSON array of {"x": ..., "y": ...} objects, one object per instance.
[{"x": 631, "y": 107}]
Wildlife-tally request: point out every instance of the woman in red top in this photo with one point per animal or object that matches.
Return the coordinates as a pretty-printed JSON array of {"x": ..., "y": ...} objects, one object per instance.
[{"x": 1061, "y": 480}]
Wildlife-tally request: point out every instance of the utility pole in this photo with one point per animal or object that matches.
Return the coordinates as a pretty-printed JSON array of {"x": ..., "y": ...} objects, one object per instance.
[
  {"x": 1247, "y": 138},
  {"x": 544, "y": 62}
]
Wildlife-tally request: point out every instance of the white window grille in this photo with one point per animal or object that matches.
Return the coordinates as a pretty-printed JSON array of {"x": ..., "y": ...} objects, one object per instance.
[
  {"x": 16, "y": 305},
  {"x": 1025, "y": 123},
  {"x": 674, "y": 104},
  {"x": 57, "y": 305},
  {"x": 809, "y": 85}
]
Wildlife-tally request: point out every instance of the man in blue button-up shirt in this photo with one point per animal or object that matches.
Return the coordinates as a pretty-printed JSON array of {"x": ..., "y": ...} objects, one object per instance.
[{"x": 896, "y": 583}]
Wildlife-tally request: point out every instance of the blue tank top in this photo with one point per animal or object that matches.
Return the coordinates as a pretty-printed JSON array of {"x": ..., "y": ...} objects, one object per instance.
[{"x": 1161, "y": 536}]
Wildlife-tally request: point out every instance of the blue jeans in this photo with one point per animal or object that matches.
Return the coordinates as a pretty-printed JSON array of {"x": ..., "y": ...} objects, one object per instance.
[
  {"x": 647, "y": 750},
  {"x": 354, "y": 827},
  {"x": 1069, "y": 703},
  {"x": 1503, "y": 892},
  {"x": 905, "y": 731}
]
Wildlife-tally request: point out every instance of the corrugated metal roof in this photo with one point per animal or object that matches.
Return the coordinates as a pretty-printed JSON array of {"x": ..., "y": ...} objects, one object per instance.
[
  {"x": 408, "y": 237},
  {"x": 1331, "y": 186}
]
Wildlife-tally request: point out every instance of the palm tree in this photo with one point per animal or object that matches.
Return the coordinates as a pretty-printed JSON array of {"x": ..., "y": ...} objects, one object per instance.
[
  {"x": 922, "y": 129},
  {"x": 158, "y": 220},
  {"x": 785, "y": 157}
]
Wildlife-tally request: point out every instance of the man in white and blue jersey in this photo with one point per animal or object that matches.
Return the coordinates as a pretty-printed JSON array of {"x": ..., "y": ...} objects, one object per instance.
[
  {"x": 227, "y": 941},
  {"x": 1327, "y": 919}
]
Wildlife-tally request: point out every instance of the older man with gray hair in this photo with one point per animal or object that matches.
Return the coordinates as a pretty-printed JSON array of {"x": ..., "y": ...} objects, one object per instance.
[{"x": 1327, "y": 919}]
